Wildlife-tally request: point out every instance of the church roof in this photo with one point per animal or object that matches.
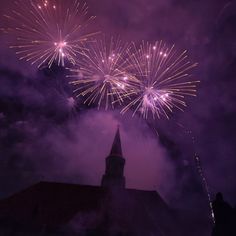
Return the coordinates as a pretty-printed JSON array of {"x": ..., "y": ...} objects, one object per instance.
[
  {"x": 116, "y": 149},
  {"x": 56, "y": 204}
]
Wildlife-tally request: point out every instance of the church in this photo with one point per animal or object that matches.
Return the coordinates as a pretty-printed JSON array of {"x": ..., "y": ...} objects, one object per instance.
[{"x": 51, "y": 209}]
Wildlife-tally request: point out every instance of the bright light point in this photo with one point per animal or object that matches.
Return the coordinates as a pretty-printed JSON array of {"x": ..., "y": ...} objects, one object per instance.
[
  {"x": 55, "y": 44},
  {"x": 154, "y": 48},
  {"x": 103, "y": 61},
  {"x": 71, "y": 102},
  {"x": 125, "y": 78},
  {"x": 120, "y": 85},
  {"x": 165, "y": 55},
  {"x": 61, "y": 44},
  {"x": 63, "y": 54},
  {"x": 147, "y": 56},
  {"x": 60, "y": 50},
  {"x": 39, "y": 7},
  {"x": 161, "y": 53},
  {"x": 54, "y": 6},
  {"x": 163, "y": 98}
]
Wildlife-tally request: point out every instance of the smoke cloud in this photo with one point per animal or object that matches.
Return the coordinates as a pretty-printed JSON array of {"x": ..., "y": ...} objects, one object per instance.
[{"x": 41, "y": 134}]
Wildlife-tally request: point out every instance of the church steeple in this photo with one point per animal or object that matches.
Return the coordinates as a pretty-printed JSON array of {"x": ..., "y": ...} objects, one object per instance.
[
  {"x": 116, "y": 149},
  {"x": 114, "y": 174}
]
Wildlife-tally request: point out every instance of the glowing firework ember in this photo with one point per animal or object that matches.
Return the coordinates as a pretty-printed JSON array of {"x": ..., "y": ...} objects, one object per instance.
[
  {"x": 164, "y": 80},
  {"x": 48, "y": 30},
  {"x": 102, "y": 76}
]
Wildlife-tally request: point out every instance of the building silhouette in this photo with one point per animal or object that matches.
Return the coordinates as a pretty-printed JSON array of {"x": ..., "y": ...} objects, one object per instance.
[
  {"x": 115, "y": 162},
  {"x": 49, "y": 208}
]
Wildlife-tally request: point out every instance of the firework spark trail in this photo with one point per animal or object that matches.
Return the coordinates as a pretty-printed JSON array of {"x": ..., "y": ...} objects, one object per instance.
[
  {"x": 205, "y": 185},
  {"x": 102, "y": 76},
  {"x": 48, "y": 30},
  {"x": 163, "y": 80},
  {"x": 204, "y": 182},
  {"x": 200, "y": 171}
]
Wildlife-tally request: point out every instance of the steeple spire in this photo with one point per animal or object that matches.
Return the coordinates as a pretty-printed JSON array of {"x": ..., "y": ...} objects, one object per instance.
[
  {"x": 116, "y": 149},
  {"x": 114, "y": 173}
]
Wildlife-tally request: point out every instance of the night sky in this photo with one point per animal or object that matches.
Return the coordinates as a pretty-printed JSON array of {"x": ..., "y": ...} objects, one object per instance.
[{"x": 46, "y": 135}]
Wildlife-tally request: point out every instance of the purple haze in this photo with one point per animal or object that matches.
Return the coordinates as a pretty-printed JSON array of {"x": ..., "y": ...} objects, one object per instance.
[{"x": 41, "y": 138}]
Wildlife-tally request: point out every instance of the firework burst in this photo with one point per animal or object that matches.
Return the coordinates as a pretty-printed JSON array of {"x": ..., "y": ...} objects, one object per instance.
[
  {"x": 102, "y": 76},
  {"x": 48, "y": 31},
  {"x": 163, "y": 80}
]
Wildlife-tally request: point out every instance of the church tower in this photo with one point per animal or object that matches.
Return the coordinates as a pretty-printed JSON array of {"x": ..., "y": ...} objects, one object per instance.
[{"x": 114, "y": 173}]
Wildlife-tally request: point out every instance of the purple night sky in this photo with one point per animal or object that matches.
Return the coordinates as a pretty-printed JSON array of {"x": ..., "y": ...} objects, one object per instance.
[{"x": 42, "y": 136}]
